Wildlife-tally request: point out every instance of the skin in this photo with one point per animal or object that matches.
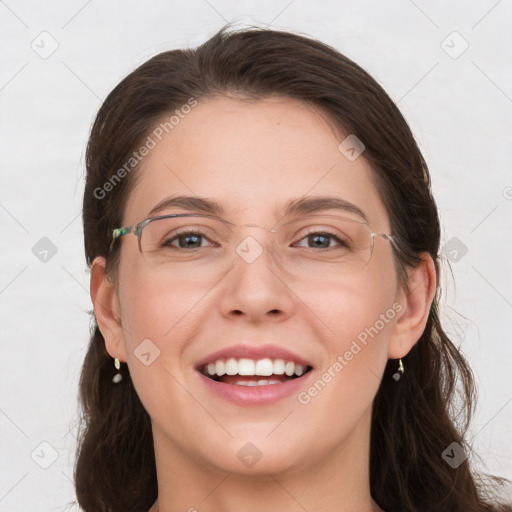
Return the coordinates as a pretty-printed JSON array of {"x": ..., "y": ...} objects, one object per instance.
[{"x": 314, "y": 456}]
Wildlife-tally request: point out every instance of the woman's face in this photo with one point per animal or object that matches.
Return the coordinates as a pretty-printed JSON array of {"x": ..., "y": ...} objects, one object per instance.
[{"x": 252, "y": 158}]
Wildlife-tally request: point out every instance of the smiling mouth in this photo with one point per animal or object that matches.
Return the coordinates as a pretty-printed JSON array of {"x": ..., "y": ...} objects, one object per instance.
[{"x": 246, "y": 372}]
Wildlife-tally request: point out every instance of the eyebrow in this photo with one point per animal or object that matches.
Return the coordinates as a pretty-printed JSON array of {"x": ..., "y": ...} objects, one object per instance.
[
  {"x": 315, "y": 204},
  {"x": 299, "y": 206},
  {"x": 189, "y": 203}
]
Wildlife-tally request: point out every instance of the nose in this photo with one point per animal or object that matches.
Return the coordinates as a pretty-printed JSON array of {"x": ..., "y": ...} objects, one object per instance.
[{"x": 255, "y": 286}]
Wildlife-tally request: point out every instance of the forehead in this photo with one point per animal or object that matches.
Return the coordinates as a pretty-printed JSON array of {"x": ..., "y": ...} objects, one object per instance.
[{"x": 252, "y": 157}]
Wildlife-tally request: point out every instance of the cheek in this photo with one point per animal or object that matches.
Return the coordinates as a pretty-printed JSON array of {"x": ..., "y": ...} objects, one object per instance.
[
  {"x": 159, "y": 321},
  {"x": 153, "y": 303},
  {"x": 157, "y": 316},
  {"x": 356, "y": 303},
  {"x": 349, "y": 378},
  {"x": 163, "y": 312},
  {"x": 359, "y": 318}
]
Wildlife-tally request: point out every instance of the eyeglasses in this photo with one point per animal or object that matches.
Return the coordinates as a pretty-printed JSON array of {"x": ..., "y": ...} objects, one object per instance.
[{"x": 203, "y": 245}]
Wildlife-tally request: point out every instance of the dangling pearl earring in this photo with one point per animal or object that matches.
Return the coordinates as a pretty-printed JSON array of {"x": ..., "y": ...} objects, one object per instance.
[
  {"x": 399, "y": 372},
  {"x": 117, "y": 377}
]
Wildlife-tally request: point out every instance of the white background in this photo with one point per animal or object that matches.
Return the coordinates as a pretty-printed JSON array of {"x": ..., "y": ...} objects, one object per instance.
[{"x": 459, "y": 110}]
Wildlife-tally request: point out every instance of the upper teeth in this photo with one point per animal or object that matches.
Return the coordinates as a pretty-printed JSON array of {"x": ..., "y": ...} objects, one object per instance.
[{"x": 264, "y": 367}]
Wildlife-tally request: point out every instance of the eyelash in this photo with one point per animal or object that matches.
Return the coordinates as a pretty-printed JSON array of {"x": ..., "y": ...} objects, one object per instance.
[{"x": 326, "y": 233}]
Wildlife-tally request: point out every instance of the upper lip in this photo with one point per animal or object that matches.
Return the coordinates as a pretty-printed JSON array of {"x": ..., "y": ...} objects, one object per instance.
[{"x": 252, "y": 352}]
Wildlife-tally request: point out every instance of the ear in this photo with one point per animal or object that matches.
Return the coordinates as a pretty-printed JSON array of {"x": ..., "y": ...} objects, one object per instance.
[
  {"x": 107, "y": 309},
  {"x": 416, "y": 299}
]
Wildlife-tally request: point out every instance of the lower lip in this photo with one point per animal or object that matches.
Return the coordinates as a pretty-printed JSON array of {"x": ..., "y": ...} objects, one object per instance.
[{"x": 255, "y": 395}]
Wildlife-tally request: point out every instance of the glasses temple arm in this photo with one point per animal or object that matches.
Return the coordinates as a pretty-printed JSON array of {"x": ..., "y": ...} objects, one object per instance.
[{"x": 118, "y": 232}]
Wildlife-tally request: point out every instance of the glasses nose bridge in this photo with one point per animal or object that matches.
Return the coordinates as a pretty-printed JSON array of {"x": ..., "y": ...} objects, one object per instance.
[
  {"x": 242, "y": 245},
  {"x": 241, "y": 232},
  {"x": 252, "y": 225}
]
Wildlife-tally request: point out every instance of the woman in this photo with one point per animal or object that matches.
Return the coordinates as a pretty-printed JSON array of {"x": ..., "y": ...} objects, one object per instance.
[{"x": 263, "y": 246}]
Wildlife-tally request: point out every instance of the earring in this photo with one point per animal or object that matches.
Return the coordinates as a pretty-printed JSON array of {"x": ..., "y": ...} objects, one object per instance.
[
  {"x": 117, "y": 377},
  {"x": 399, "y": 372}
]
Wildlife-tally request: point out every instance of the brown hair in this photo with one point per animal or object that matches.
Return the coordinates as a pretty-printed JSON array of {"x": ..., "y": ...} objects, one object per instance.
[{"x": 413, "y": 421}]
